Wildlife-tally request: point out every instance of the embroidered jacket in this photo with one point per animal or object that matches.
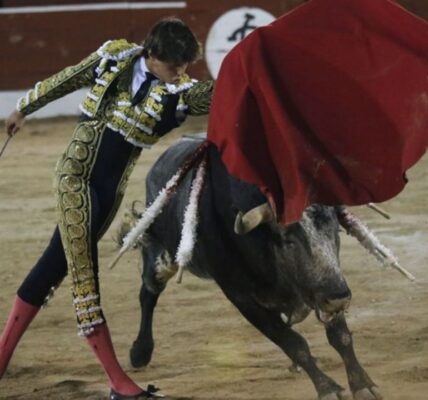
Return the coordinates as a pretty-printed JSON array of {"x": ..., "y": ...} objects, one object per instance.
[{"x": 108, "y": 72}]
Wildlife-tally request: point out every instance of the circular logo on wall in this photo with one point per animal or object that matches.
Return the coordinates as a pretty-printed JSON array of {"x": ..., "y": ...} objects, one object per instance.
[{"x": 230, "y": 29}]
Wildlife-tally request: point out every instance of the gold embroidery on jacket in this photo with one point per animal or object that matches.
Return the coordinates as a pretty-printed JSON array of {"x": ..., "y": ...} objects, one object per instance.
[
  {"x": 92, "y": 102},
  {"x": 198, "y": 98},
  {"x": 138, "y": 123},
  {"x": 102, "y": 70},
  {"x": 64, "y": 82}
]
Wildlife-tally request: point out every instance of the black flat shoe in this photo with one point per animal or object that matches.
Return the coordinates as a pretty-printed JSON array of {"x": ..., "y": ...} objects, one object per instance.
[
  {"x": 117, "y": 396},
  {"x": 150, "y": 393}
]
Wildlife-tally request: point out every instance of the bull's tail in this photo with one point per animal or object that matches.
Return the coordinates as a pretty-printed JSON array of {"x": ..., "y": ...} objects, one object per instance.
[{"x": 129, "y": 220}]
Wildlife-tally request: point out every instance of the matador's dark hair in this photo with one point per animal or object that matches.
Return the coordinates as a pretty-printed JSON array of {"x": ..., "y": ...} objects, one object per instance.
[{"x": 172, "y": 41}]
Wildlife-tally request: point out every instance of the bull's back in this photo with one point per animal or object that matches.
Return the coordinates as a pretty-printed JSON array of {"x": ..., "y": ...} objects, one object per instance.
[
  {"x": 167, "y": 227},
  {"x": 168, "y": 164}
]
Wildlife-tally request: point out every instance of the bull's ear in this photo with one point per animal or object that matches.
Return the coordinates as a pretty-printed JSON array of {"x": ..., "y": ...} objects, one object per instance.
[{"x": 245, "y": 223}]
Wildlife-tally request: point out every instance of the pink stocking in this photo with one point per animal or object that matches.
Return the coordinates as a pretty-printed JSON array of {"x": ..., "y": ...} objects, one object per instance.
[
  {"x": 20, "y": 317},
  {"x": 101, "y": 344}
]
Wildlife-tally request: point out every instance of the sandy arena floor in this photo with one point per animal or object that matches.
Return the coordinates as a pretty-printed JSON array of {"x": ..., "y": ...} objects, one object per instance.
[{"x": 205, "y": 349}]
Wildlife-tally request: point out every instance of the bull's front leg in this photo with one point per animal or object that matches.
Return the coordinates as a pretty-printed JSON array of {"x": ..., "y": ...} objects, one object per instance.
[
  {"x": 296, "y": 347},
  {"x": 158, "y": 269},
  {"x": 292, "y": 343},
  {"x": 340, "y": 337},
  {"x": 141, "y": 351}
]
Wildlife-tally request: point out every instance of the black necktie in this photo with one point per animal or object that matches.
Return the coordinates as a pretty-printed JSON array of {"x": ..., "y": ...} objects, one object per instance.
[{"x": 144, "y": 88}]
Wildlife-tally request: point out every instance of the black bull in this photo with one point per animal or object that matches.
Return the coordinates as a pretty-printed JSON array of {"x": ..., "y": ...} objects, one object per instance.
[{"x": 274, "y": 275}]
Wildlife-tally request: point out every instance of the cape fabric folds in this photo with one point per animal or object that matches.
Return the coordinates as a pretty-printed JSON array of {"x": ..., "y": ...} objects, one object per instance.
[{"x": 328, "y": 104}]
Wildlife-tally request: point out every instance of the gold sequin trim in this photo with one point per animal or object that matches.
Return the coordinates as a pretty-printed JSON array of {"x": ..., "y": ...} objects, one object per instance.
[{"x": 74, "y": 206}]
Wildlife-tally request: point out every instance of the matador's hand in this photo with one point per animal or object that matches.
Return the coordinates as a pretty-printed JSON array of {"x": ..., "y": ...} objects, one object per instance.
[{"x": 14, "y": 122}]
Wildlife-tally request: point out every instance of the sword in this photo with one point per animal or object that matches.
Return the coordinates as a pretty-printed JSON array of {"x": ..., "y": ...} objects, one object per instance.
[{"x": 5, "y": 144}]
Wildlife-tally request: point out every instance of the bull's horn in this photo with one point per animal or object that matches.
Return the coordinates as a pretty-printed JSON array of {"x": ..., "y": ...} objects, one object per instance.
[{"x": 245, "y": 223}]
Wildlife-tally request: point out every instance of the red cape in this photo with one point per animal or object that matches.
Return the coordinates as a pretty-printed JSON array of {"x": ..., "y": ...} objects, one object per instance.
[{"x": 328, "y": 104}]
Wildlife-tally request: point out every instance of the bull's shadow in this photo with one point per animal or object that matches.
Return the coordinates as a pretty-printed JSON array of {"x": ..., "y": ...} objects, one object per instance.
[{"x": 274, "y": 275}]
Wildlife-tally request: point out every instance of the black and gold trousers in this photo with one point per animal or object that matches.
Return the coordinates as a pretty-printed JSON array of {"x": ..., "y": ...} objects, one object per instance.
[{"x": 90, "y": 181}]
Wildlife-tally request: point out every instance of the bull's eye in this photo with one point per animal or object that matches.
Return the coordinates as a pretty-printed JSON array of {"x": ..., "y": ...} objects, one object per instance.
[
  {"x": 287, "y": 239},
  {"x": 289, "y": 243}
]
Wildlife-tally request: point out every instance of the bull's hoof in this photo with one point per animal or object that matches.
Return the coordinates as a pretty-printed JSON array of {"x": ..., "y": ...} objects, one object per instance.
[
  {"x": 140, "y": 356},
  {"x": 335, "y": 396},
  {"x": 372, "y": 393}
]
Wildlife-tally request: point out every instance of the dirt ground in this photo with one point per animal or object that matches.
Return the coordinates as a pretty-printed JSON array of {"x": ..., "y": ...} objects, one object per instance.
[{"x": 204, "y": 349}]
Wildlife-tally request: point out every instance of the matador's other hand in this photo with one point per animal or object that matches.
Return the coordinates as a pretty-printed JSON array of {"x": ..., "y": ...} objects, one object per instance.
[{"x": 14, "y": 122}]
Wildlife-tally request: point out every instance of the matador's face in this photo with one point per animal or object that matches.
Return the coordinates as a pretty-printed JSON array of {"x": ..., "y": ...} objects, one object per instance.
[{"x": 166, "y": 72}]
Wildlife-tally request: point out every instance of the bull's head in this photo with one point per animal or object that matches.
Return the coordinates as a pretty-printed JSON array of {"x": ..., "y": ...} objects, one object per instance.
[
  {"x": 322, "y": 245},
  {"x": 307, "y": 256}
]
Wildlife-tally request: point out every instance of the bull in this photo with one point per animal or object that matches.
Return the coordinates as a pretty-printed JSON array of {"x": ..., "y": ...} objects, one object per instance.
[{"x": 274, "y": 274}]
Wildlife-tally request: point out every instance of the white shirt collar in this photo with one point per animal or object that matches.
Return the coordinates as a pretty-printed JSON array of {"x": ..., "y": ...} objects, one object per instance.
[
  {"x": 139, "y": 74},
  {"x": 143, "y": 65}
]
